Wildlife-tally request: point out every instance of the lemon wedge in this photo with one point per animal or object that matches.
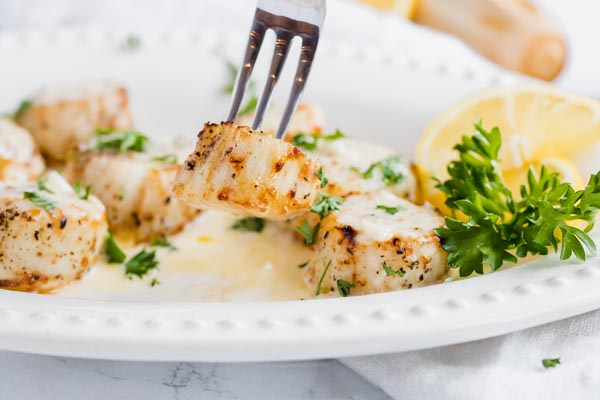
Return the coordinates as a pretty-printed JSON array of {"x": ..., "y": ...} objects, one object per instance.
[{"x": 540, "y": 124}]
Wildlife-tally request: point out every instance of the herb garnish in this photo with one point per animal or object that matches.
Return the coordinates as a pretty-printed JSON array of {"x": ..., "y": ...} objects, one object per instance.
[
  {"x": 391, "y": 272},
  {"x": 303, "y": 265},
  {"x": 309, "y": 233},
  {"x": 550, "y": 362},
  {"x": 167, "y": 158},
  {"x": 318, "y": 292},
  {"x": 24, "y": 106},
  {"x": 309, "y": 142},
  {"x": 249, "y": 224},
  {"x": 390, "y": 209},
  {"x": 253, "y": 101},
  {"x": 113, "y": 252},
  {"x": 39, "y": 200},
  {"x": 77, "y": 187},
  {"x": 325, "y": 204},
  {"x": 122, "y": 140},
  {"x": 386, "y": 166},
  {"x": 141, "y": 263},
  {"x": 499, "y": 227},
  {"x": 154, "y": 282},
  {"x": 41, "y": 184},
  {"x": 319, "y": 174},
  {"x": 162, "y": 242},
  {"x": 344, "y": 287}
]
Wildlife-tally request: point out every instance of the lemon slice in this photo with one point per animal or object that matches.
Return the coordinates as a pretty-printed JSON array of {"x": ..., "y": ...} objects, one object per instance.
[
  {"x": 539, "y": 124},
  {"x": 405, "y": 8}
]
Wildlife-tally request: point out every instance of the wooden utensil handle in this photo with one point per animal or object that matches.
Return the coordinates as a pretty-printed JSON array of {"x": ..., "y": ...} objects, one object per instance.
[{"x": 515, "y": 34}]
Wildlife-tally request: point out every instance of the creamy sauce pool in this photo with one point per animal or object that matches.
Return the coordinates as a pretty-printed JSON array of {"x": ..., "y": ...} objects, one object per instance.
[{"x": 212, "y": 263}]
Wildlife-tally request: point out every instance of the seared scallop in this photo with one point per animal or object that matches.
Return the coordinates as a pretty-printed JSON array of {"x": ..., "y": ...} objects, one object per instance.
[
  {"x": 135, "y": 190},
  {"x": 308, "y": 118},
  {"x": 242, "y": 171},
  {"x": 376, "y": 243},
  {"x": 63, "y": 118},
  {"x": 47, "y": 239},
  {"x": 20, "y": 159},
  {"x": 355, "y": 167}
]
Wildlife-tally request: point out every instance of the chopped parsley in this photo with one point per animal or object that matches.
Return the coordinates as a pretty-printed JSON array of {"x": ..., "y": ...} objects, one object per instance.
[
  {"x": 41, "y": 184},
  {"x": 132, "y": 42},
  {"x": 325, "y": 204},
  {"x": 249, "y": 107},
  {"x": 309, "y": 233},
  {"x": 24, "y": 106},
  {"x": 154, "y": 282},
  {"x": 303, "y": 265},
  {"x": 318, "y": 292},
  {"x": 233, "y": 72},
  {"x": 84, "y": 193},
  {"x": 39, "y": 200},
  {"x": 319, "y": 174},
  {"x": 162, "y": 242},
  {"x": 167, "y": 158},
  {"x": 389, "y": 175},
  {"x": 113, "y": 252},
  {"x": 391, "y": 272},
  {"x": 141, "y": 263},
  {"x": 550, "y": 362},
  {"x": 309, "y": 142},
  {"x": 390, "y": 209},
  {"x": 344, "y": 287},
  {"x": 249, "y": 224},
  {"x": 122, "y": 140}
]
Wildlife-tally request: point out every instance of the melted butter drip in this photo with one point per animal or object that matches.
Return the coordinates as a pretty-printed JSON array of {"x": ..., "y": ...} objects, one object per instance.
[{"x": 212, "y": 263}]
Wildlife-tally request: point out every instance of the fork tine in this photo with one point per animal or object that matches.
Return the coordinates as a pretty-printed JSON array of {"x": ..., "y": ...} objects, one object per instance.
[
  {"x": 282, "y": 46},
  {"x": 309, "y": 46},
  {"x": 257, "y": 34}
]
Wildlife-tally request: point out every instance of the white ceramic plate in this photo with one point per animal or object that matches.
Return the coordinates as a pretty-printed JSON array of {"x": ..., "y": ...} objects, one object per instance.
[{"x": 175, "y": 80}]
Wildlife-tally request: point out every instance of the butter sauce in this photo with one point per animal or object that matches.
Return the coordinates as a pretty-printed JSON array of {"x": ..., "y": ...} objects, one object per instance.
[{"x": 211, "y": 263}]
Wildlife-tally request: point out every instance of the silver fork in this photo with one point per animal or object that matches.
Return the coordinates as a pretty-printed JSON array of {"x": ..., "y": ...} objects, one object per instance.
[{"x": 288, "y": 19}]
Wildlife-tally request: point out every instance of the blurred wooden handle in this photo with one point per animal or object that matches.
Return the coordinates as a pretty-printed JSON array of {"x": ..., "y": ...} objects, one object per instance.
[{"x": 515, "y": 34}]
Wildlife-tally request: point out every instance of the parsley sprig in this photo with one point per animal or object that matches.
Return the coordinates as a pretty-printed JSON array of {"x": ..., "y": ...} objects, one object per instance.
[
  {"x": 249, "y": 224},
  {"x": 310, "y": 234},
  {"x": 122, "y": 140},
  {"x": 228, "y": 88},
  {"x": 501, "y": 227},
  {"x": 310, "y": 141},
  {"x": 390, "y": 209}
]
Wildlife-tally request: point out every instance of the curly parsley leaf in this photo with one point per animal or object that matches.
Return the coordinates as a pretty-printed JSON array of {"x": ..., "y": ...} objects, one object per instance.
[
  {"x": 39, "y": 200},
  {"x": 390, "y": 175},
  {"x": 310, "y": 234},
  {"x": 390, "y": 209},
  {"x": 500, "y": 228},
  {"x": 325, "y": 204},
  {"x": 391, "y": 272},
  {"x": 249, "y": 224},
  {"x": 122, "y": 140},
  {"x": 113, "y": 252},
  {"x": 140, "y": 264},
  {"x": 344, "y": 287},
  {"x": 550, "y": 362}
]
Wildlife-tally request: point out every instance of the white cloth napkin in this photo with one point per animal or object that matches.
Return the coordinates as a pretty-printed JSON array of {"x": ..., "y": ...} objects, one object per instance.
[{"x": 505, "y": 367}]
